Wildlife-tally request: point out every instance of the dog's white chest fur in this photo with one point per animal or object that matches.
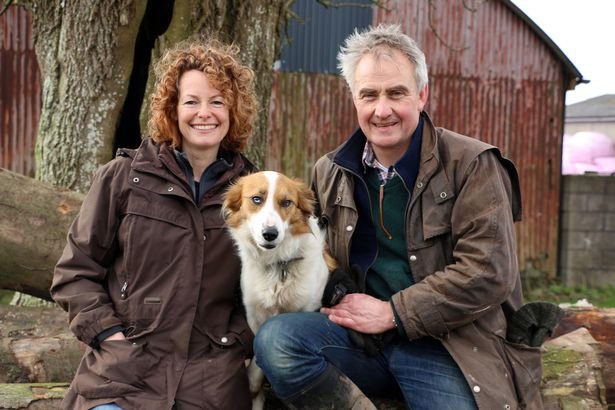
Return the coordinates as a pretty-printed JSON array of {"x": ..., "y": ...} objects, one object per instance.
[{"x": 281, "y": 282}]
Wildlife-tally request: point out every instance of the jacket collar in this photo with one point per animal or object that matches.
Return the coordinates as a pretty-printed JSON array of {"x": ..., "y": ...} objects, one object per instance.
[
  {"x": 350, "y": 154},
  {"x": 430, "y": 156},
  {"x": 159, "y": 159}
]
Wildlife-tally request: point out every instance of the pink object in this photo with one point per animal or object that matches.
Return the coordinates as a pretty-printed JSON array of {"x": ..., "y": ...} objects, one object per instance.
[
  {"x": 582, "y": 168},
  {"x": 588, "y": 151},
  {"x": 578, "y": 150},
  {"x": 606, "y": 165}
]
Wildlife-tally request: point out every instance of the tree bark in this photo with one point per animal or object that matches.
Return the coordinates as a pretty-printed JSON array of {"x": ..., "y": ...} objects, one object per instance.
[
  {"x": 34, "y": 219},
  {"x": 85, "y": 51}
]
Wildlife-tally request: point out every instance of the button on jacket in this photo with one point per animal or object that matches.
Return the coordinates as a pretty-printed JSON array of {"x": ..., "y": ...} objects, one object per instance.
[
  {"x": 462, "y": 254},
  {"x": 142, "y": 255}
]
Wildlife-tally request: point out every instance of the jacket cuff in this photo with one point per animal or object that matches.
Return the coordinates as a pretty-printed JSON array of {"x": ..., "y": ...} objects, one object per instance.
[
  {"x": 95, "y": 343},
  {"x": 398, "y": 324},
  {"x": 433, "y": 323}
]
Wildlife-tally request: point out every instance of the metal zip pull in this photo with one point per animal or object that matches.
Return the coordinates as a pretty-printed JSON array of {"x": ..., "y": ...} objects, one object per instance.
[
  {"x": 381, "y": 200},
  {"x": 123, "y": 290}
]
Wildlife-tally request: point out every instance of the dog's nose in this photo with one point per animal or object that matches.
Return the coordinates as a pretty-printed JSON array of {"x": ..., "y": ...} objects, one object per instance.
[{"x": 270, "y": 233}]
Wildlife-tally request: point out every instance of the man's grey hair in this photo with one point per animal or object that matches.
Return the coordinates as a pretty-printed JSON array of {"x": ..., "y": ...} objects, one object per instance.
[{"x": 375, "y": 40}]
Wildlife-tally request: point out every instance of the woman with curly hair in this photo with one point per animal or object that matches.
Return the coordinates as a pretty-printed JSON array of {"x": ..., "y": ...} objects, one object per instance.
[{"x": 149, "y": 276}]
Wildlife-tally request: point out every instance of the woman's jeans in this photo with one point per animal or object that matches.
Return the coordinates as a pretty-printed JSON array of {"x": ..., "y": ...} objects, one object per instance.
[
  {"x": 293, "y": 349},
  {"x": 109, "y": 406}
]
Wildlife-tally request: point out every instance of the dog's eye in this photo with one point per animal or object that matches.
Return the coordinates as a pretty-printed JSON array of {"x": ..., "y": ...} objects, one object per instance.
[
  {"x": 257, "y": 200},
  {"x": 285, "y": 203}
]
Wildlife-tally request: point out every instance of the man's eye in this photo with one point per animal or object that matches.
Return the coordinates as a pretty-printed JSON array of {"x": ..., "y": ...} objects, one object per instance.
[
  {"x": 257, "y": 200},
  {"x": 285, "y": 203}
]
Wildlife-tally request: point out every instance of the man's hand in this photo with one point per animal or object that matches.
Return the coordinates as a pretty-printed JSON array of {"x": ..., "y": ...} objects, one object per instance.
[{"x": 362, "y": 313}]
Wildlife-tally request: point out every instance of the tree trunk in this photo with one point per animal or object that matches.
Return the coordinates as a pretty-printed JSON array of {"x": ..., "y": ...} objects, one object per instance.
[
  {"x": 85, "y": 51},
  {"x": 34, "y": 219},
  {"x": 93, "y": 65}
]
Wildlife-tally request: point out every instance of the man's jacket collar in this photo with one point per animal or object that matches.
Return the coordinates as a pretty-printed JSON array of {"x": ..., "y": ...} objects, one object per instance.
[{"x": 350, "y": 155}]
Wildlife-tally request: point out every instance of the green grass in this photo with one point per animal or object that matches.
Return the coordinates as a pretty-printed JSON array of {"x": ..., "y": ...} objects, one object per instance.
[{"x": 603, "y": 296}]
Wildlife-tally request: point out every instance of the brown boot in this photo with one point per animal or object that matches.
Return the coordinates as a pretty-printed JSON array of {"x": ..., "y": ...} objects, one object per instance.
[{"x": 332, "y": 390}]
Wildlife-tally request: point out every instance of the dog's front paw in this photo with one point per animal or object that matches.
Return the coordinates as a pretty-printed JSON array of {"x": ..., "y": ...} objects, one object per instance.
[
  {"x": 258, "y": 401},
  {"x": 256, "y": 378}
]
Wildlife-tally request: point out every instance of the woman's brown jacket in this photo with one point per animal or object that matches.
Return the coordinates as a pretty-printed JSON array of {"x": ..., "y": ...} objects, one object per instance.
[
  {"x": 462, "y": 253},
  {"x": 141, "y": 254}
]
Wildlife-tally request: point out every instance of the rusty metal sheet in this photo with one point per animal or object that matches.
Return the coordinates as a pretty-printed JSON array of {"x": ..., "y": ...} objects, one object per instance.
[
  {"x": 310, "y": 115},
  {"x": 20, "y": 92}
]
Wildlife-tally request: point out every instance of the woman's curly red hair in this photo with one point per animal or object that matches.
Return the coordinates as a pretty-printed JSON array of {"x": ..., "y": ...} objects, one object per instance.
[{"x": 221, "y": 65}]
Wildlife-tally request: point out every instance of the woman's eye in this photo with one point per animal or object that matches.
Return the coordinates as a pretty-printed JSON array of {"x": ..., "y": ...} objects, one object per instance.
[
  {"x": 218, "y": 103},
  {"x": 257, "y": 200},
  {"x": 285, "y": 203}
]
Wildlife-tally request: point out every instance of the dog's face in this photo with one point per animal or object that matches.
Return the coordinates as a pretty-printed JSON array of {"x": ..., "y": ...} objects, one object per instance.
[{"x": 267, "y": 206}]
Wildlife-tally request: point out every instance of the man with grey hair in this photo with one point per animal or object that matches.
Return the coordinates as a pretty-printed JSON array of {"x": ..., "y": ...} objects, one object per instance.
[{"x": 420, "y": 220}]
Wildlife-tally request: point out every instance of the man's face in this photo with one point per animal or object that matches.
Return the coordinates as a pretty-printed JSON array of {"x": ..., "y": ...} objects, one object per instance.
[{"x": 388, "y": 103}]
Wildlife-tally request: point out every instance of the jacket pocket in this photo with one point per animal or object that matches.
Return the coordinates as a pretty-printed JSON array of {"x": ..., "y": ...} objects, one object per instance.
[
  {"x": 525, "y": 366},
  {"x": 437, "y": 209},
  {"x": 116, "y": 369}
]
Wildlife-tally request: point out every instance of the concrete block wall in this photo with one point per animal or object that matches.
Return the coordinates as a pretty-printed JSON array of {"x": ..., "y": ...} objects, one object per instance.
[{"x": 587, "y": 230}]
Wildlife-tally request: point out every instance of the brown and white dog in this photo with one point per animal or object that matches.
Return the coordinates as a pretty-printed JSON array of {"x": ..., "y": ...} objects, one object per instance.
[{"x": 285, "y": 263}]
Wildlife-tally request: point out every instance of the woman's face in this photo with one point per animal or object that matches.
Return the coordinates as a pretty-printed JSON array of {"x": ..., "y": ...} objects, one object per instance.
[{"x": 202, "y": 113}]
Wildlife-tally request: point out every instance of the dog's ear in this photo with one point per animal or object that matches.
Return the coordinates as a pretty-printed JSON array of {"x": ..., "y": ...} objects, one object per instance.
[
  {"x": 306, "y": 200},
  {"x": 232, "y": 198}
]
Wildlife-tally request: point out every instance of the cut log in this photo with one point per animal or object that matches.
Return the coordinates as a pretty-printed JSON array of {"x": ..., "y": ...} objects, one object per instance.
[
  {"x": 34, "y": 219},
  {"x": 600, "y": 323},
  {"x": 572, "y": 373},
  {"x": 36, "y": 345}
]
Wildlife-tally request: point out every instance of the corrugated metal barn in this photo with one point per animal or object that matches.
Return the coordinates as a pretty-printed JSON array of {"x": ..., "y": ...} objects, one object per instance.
[{"x": 494, "y": 75}]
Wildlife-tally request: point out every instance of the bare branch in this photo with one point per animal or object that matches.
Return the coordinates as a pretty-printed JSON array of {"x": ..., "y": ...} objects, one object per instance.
[
  {"x": 470, "y": 8},
  {"x": 332, "y": 3},
  {"x": 432, "y": 26}
]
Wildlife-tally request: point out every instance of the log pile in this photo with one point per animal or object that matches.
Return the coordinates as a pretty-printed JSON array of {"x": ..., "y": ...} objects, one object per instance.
[{"x": 38, "y": 356}]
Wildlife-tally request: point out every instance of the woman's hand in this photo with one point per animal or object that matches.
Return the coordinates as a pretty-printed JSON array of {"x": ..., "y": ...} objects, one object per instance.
[{"x": 116, "y": 336}]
